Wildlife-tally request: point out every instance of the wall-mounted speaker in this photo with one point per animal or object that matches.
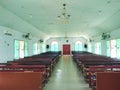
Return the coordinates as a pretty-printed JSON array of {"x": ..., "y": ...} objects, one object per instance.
[
  {"x": 85, "y": 46},
  {"x": 47, "y": 46}
]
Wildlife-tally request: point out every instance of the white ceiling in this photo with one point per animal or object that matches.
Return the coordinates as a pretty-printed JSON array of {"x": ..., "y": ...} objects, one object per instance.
[{"x": 40, "y": 17}]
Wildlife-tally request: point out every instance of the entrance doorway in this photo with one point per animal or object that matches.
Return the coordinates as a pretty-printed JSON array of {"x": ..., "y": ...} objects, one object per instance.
[{"x": 66, "y": 49}]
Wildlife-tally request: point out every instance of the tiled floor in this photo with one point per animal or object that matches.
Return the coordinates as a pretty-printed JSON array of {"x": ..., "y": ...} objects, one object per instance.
[{"x": 66, "y": 76}]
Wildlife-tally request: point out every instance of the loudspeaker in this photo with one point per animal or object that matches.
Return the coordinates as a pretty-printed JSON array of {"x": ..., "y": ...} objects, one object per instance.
[
  {"x": 47, "y": 46},
  {"x": 85, "y": 46}
]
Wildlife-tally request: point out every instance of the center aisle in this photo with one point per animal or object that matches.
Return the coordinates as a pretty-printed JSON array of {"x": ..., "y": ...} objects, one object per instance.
[{"x": 66, "y": 76}]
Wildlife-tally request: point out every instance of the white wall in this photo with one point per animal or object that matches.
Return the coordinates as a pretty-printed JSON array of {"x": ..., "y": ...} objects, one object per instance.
[
  {"x": 7, "y": 44},
  {"x": 71, "y": 41}
]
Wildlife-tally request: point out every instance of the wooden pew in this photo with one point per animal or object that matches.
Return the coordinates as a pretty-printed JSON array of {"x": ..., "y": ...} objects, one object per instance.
[
  {"x": 46, "y": 62},
  {"x": 48, "y": 59},
  {"x": 21, "y": 81},
  {"x": 85, "y": 66},
  {"x": 108, "y": 81},
  {"x": 95, "y": 69},
  {"x": 26, "y": 68},
  {"x": 86, "y": 60}
]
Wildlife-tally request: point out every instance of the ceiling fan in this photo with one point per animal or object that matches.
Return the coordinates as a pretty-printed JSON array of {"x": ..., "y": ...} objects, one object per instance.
[{"x": 27, "y": 36}]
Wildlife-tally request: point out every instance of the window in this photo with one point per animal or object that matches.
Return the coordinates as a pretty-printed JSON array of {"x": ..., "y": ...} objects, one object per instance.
[
  {"x": 20, "y": 49},
  {"x": 113, "y": 48},
  {"x": 89, "y": 48},
  {"x": 16, "y": 49},
  {"x": 54, "y": 46},
  {"x": 98, "y": 48},
  {"x": 108, "y": 48},
  {"x": 26, "y": 49},
  {"x": 78, "y": 46},
  {"x": 118, "y": 48},
  {"x": 36, "y": 48},
  {"x": 43, "y": 48}
]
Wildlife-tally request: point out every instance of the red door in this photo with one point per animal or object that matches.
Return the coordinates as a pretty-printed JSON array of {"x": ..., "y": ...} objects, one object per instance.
[{"x": 66, "y": 49}]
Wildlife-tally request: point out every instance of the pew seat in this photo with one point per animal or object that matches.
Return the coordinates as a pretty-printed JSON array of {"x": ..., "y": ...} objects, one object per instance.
[{"x": 21, "y": 81}]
